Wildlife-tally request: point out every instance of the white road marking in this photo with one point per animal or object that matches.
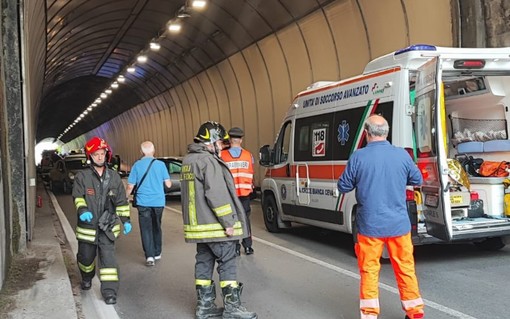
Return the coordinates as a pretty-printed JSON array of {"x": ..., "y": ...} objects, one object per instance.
[{"x": 428, "y": 303}]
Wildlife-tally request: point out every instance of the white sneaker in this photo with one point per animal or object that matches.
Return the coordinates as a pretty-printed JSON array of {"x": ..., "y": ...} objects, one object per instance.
[
  {"x": 150, "y": 261},
  {"x": 158, "y": 257}
]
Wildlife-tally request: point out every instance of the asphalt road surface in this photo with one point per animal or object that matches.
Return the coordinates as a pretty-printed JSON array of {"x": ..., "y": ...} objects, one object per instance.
[{"x": 305, "y": 273}]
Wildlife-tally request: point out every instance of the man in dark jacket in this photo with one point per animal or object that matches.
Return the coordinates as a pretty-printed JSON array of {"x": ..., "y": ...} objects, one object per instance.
[
  {"x": 100, "y": 201},
  {"x": 214, "y": 219}
]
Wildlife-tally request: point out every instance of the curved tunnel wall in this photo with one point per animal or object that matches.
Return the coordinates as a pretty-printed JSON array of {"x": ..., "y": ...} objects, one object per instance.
[{"x": 253, "y": 88}]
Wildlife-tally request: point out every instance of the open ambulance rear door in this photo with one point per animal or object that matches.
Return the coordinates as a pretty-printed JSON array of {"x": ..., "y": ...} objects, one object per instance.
[{"x": 430, "y": 136}]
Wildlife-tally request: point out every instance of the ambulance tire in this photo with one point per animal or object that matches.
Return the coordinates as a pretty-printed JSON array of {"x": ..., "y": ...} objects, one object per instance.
[
  {"x": 491, "y": 244},
  {"x": 270, "y": 214}
]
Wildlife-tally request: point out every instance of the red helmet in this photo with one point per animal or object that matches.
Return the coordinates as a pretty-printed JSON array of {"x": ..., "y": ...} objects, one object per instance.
[{"x": 97, "y": 143}]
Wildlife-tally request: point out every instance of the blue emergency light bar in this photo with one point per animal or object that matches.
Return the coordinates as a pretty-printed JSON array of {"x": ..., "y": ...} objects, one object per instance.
[{"x": 416, "y": 47}]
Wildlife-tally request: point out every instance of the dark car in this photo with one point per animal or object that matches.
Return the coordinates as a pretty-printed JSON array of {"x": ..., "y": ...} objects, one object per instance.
[
  {"x": 173, "y": 164},
  {"x": 62, "y": 174}
]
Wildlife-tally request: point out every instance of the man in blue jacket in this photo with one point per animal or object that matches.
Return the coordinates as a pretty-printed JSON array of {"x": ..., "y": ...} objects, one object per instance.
[{"x": 380, "y": 173}]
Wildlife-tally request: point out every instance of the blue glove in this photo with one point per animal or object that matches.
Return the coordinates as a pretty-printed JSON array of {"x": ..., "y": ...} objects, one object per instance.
[
  {"x": 86, "y": 217},
  {"x": 127, "y": 228}
]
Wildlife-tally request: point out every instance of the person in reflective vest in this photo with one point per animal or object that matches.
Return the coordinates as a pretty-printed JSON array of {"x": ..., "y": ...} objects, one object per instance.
[
  {"x": 380, "y": 173},
  {"x": 101, "y": 205},
  {"x": 240, "y": 162},
  {"x": 214, "y": 219}
]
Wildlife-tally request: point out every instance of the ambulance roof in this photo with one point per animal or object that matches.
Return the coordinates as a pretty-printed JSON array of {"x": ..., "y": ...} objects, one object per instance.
[{"x": 414, "y": 56}]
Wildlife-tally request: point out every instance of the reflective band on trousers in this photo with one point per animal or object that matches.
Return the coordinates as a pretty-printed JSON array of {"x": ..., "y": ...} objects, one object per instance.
[
  {"x": 89, "y": 268},
  {"x": 108, "y": 274},
  {"x": 86, "y": 234},
  {"x": 203, "y": 282},
  {"x": 367, "y": 316},
  {"x": 406, "y": 304}
]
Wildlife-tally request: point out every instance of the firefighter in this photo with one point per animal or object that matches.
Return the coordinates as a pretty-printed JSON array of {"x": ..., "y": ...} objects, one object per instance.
[
  {"x": 101, "y": 205},
  {"x": 240, "y": 163},
  {"x": 214, "y": 219}
]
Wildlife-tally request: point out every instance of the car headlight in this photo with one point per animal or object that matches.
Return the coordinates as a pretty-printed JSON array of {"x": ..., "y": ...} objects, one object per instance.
[{"x": 71, "y": 176}]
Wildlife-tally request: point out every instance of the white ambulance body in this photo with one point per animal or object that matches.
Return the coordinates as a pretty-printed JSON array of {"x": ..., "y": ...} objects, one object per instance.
[{"x": 441, "y": 104}]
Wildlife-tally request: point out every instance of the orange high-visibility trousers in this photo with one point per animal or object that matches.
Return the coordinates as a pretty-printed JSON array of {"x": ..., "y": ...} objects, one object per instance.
[{"x": 400, "y": 249}]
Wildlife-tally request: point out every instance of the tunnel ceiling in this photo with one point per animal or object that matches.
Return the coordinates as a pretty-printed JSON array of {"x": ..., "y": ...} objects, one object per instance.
[{"x": 90, "y": 43}]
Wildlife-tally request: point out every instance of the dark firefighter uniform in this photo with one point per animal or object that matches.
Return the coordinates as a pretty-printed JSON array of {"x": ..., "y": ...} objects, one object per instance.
[
  {"x": 105, "y": 197},
  {"x": 210, "y": 205}
]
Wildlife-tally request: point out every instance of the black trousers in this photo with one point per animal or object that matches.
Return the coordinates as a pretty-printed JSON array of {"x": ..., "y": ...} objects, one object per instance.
[
  {"x": 108, "y": 271},
  {"x": 150, "y": 229},
  {"x": 245, "y": 200},
  {"x": 209, "y": 253}
]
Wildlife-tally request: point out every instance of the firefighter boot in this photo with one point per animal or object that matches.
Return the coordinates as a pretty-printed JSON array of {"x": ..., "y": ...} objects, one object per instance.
[
  {"x": 206, "y": 308},
  {"x": 232, "y": 303}
]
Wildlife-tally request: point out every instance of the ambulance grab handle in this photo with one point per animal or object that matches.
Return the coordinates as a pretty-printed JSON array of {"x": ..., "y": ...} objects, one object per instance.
[
  {"x": 447, "y": 187},
  {"x": 288, "y": 170}
]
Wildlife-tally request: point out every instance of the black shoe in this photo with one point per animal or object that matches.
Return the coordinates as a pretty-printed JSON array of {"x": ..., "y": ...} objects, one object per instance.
[
  {"x": 249, "y": 251},
  {"x": 86, "y": 284},
  {"x": 110, "y": 300},
  {"x": 238, "y": 251}
]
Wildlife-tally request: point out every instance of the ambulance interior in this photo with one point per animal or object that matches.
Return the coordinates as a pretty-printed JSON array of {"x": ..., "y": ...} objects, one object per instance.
[{"x": 477, "y": 126}]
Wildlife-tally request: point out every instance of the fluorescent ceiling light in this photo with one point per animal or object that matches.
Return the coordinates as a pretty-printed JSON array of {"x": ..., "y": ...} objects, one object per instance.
[
  {"x": 142, "y": 58},
  {"x": 174, "y": 26},
  {"x": 198, "y": 4},
  {"x": 155, "y": 46},
  {"x": 131, "y": 69}
]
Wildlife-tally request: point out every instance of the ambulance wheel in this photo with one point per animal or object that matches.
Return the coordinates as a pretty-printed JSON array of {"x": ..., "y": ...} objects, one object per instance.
[
  {"x": 490, "y": 244},
  {"x": 270, "y": 214}
]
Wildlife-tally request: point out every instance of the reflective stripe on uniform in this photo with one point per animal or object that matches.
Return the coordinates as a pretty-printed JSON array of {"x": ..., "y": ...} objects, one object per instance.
[
  {"x": 108, "y": 274},
  {"x": 87, "y": 269},
  {"x": 367, "y": 316},
  {"x": 116, "y": 230},
  {"x": 226, "y": 283},
  {"x": 406, "y": 304},
  {"x": 239, "y": 174},
  {"x": 80, "y": 202},
  {"x": 122, "y": 211},
  {"x": 203, "y": 282},
  {"x": 369, "y": 303},
  {"x": 223, "y": 210},
  {"x": 244, "y": 186},
  {"x": 86, "y": 234},
  {"x": 211, "y": 234},
  {"x": 208, "y": 227},
  {"x": 192, "y": 211}
]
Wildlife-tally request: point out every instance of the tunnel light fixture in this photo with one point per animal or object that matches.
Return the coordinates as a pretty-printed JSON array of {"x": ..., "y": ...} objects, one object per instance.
[
  {"x": 174, "y": 26},
  {"x": 103, "y": 96},
  {"x": 183, "y": 13},
  {"x": 198, "y": 4},
  {"x": 108, "y": 91},
  {"x": 93, "y": 104},
  {"x": 98, "y": 100},
  {"x": 154, "y": 46},
  {"x": 115, "y": 85},
  {"x": 89, "y": 108},
  {"x": 141, "y": 58},
  {"x": 131, "y": 69},
  {"x": 85, "y": 112},
  {"x": 121, "y": 79}
]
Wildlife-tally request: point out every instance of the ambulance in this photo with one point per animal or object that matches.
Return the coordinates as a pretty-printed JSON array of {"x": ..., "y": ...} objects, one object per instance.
[{"x": 444, "y": 106}]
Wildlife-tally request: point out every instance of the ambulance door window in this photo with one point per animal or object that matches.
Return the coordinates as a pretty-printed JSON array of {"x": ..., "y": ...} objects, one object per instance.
[
  {"x": 313, "y": 142},
  {"x": 282, "y": 146}
]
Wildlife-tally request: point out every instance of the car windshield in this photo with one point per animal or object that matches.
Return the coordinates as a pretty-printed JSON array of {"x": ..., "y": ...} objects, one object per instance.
[{"x": 76, "y": 164}]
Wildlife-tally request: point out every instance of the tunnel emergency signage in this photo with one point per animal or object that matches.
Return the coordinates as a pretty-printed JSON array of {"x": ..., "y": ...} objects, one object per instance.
[{"x": 319, "y": 142}]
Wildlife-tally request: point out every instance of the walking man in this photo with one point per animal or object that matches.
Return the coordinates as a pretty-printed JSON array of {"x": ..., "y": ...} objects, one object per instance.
[
  {"x": 380, "y": 173},
  {"x": 100, "y": 201},
  {"x": 240, "y": 162},
  {"x": 214, "y": 219},
  {"x": 149, "y": 175}
]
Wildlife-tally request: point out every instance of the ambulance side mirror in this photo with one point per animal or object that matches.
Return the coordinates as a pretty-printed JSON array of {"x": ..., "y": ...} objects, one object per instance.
[{"x": 266, "y": 156}]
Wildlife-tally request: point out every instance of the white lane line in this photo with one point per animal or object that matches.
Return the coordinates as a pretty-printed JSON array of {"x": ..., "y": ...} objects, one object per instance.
[{"x": 428, "y": 303}]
